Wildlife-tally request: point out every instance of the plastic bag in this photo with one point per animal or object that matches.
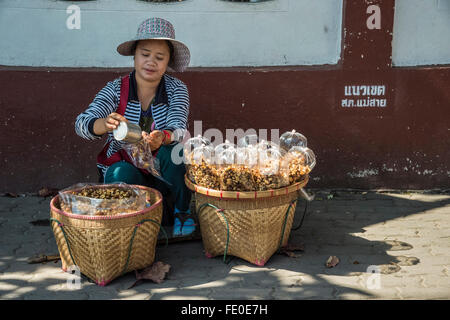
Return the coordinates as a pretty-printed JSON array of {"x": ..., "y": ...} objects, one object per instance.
[
  {"x": 102, "y": 200},
  {"x": 269, "y": 146},
  {"x": 141, "y": 157},
  {"x": 247, "y": 156},
  {"x": 225, "y": 158},
  {"x": 200, "y": 167},
  {"x": 205, "y": 175},
  {"x": 226, "y": 146},
  {"x": 299, "y": 161},
  {"x": 193, "y": 144},
  {"x": 266, "y": 145},
  {"x": 224, "y": 155},
  {"x": 196, "y": 149},
  {"x": 248, "y": 140},
  {"x": 270, "y": 172},
  {"x": 238, "y": 176},
  {"x": 292, "y": 139}
]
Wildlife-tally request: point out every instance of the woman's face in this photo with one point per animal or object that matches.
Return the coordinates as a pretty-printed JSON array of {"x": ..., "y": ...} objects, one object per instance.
[{"x": 151, "y": 59}]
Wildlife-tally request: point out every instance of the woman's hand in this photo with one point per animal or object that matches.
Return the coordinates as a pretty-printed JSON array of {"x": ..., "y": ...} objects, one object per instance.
[
  {"x": 111, "y": 122},
  {"x": 155, "y": 139}
]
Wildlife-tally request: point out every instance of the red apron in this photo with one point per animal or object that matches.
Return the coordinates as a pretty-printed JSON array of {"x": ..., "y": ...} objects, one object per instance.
[{"x": 120, "y": 155}]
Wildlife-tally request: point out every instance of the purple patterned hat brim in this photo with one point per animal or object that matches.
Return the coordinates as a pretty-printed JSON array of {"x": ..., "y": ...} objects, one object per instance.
[{"x": 181, "y": 54}]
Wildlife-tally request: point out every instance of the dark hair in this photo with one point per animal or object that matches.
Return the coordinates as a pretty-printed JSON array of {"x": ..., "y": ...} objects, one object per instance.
[
  {"x": 133, "y": 48},
  {"x": 169, "y": 44},
  {"x": 171, "y": 49}
]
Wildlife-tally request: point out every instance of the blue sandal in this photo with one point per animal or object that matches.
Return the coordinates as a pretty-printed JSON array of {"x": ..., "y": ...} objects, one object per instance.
[{"x": 184, "y": 224}]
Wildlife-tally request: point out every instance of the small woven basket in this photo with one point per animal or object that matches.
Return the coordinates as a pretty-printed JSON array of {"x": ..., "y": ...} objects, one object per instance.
[
  {"x": 249, "y": 225},
  {"x": 105, "y": 247}
]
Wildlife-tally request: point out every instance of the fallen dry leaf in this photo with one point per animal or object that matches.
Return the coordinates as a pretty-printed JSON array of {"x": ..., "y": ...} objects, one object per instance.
[
  {"x": 156, "y": 273},
  {"x": 332, "y": 261},
  {"x": 47, "y": 192}
]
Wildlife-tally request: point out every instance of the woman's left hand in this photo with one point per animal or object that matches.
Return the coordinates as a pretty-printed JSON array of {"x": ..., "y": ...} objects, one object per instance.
[{"x": 155, "y": 139}]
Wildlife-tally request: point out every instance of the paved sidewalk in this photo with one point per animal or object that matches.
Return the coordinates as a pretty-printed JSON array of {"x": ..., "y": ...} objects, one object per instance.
[{"x": 405, "y": 235}]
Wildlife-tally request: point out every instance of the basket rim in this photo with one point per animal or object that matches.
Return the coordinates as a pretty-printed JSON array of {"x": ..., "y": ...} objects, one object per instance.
[
  {"x": 116, "y": 217},
  {"x": 246, "y": 194}
]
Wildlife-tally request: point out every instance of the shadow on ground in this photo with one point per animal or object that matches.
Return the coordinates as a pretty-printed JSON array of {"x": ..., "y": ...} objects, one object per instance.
[{"x": 335, "y": 225}]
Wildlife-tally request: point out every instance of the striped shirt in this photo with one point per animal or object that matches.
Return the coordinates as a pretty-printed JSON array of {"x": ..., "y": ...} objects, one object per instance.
[{"x": 170, "y": 110}]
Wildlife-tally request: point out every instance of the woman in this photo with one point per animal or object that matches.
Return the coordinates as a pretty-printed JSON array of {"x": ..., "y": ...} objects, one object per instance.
[{"x": 156, "y": 101}]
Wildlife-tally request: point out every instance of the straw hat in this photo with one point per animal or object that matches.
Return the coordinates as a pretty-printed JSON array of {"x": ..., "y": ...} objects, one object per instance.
[{"x": 159, "y": 29}]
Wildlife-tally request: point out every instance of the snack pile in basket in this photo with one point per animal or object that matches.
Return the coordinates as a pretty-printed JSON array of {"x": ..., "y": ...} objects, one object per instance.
[
  {"x": 104, "y": 200},
  {"x": 251, "y": 165}
]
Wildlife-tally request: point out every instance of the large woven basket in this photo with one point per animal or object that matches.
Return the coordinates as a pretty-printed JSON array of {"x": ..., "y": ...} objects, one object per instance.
[
  {"x": 249, "y": 225},
  {"x": 105, "y": 247}
]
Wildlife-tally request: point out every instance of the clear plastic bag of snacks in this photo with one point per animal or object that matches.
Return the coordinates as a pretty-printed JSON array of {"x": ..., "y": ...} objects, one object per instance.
[
  {"x": 264, "y": 146},
  {"x": 225, "y": 159},
  {"x": 291, "y": 139},
  {"x": 224, "y": 154},
  {"x": 247, "y": 156},
  {"x": 198, "y": 155},
  {"x": 224, "y": 146},
  {"x": 192, "y": 144},
  {"x": 248, "y": 140},
  {"x": 102, "y": 199},
  {"x": 299, "y": 161},
  {"x": 201, "y": 169},
  {"x": 141, "y": 156},
  {"x": 238, "y": 176},
  {"x": 270, "y": 172},
  {"x": 206, "y": 175}
]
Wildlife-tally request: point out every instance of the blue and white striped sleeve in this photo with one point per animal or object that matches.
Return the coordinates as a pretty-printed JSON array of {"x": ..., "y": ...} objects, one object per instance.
[
  {"x": 177, "y": 116},
  {"x": 104, "y": 103}
]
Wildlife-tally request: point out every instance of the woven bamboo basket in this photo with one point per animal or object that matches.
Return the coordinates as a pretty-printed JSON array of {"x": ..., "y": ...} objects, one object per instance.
[
  {"x": 105, "y": 247},
  {"x": 249, "y": 225}
]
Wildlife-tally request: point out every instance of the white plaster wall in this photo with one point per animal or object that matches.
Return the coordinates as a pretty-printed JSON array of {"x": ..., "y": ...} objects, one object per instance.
[
  {"x": 218, "y": 33},
  {"x": 421, "y": 32}
]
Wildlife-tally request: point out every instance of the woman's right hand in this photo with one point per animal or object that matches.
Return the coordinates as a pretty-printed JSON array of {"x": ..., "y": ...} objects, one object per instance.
[{"x": 111, "y": 122}]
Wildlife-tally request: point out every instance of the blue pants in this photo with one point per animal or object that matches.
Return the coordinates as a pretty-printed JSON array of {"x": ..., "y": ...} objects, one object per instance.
[{"x": 174, "y": 173}]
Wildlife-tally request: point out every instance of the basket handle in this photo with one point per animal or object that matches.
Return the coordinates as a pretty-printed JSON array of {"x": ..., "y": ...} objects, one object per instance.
[
  {"x": 65, "y": 238},
  {"x": 285, "y": 221},
  {"x": 228, "y": 227},
  {"x": 285, "y": 218},
  {"x": 134, "y": 234}
]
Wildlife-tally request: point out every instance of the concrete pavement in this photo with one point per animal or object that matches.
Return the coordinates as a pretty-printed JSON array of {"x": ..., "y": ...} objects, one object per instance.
[{"x": 403, "y": 235}]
